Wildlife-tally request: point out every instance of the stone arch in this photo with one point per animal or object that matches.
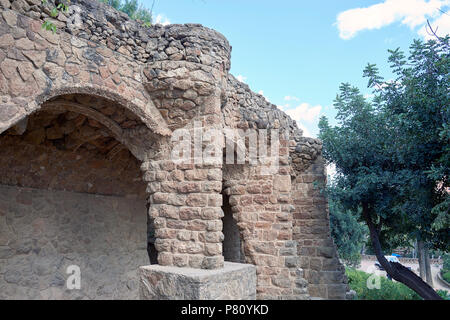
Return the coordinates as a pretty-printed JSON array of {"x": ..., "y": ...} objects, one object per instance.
[
  {"x": 42, "y": 65},
  {"x": 126, "y": 131},
  {"x": 148, "y": 113}
]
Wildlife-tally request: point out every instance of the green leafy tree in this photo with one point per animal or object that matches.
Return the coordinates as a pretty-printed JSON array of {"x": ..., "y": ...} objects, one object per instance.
[
  {"x": 349, "y": 235},
  {"x": 390, "y": 154}
]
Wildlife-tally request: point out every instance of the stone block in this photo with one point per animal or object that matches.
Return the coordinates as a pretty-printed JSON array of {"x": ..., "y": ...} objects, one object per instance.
[{"x": 235, "y": 281}]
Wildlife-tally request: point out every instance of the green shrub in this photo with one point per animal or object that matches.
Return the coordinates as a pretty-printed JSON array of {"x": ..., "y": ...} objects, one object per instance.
[
  {"x": 389, "y": 290},
  {"x": 446, "y": 259},
  {"x": 446, "y": 276},
  {"x": 444, "y": 294}
]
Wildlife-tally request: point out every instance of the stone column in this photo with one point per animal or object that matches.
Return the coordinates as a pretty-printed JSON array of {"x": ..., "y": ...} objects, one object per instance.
[
  {"x": 323, "y": 270},
  {"x": 185, "y": 186},
  {"x": 185, "y": 196},
  {"x": 185, "y": 205}
]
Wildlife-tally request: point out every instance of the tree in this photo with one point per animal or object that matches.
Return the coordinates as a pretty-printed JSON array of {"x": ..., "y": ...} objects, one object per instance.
[
  {"x": 390, "y": 154},
  {"x": 349, "y": 235}
]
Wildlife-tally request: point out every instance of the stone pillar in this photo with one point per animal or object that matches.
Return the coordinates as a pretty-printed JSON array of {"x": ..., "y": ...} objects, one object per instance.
[
  {"x": 323, "y": 270},
  {"x": 185, "y": 205},
  {"x": 185, "y": 193},
  {"x": 185, "y": 196}
]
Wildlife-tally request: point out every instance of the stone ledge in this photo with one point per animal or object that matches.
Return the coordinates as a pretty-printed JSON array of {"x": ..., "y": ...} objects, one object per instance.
[{"x": 235, "y": 281}]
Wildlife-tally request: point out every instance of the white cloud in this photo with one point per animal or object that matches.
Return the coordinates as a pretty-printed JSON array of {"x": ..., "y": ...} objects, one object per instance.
[
  {"x": 306, "y": 132},
  {"x": 291, "y": 98},
  {"x": 241, "y": 78},
  {"x": 412, "y": 13},
  {"x": 304, "y": 112},
  {"x": 161, "y": 19},
  {"x": 305, "y": 115}
]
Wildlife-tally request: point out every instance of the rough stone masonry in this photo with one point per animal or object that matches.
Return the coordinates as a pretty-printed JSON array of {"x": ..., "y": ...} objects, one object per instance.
[{"x": 91, "y": 111}]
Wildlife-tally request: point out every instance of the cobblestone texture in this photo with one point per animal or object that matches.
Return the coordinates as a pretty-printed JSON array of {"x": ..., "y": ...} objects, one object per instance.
[{"x": 43, "y": 232}]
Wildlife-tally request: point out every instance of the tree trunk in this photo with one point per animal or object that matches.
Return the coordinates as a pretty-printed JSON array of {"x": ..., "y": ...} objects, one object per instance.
[
  {"x": 421, "y": 258},
  {"x": 414, "y": 255},
  {"x": 428, "y": 273},
  {"x": 397, "y": 271}
]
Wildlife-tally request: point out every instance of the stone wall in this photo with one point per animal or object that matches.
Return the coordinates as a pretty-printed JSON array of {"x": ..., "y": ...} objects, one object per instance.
[
  {"x": 43, "y": 232},
  {"x": 115, "y": 30},
  {"x": 288, "y": 204}
]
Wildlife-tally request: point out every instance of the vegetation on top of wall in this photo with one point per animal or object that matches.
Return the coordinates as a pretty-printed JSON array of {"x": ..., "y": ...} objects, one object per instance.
[
  {"x": 54, "y": 12},
  {"x": 133, "y": 9},
  {"x": 348, "y": 234}
]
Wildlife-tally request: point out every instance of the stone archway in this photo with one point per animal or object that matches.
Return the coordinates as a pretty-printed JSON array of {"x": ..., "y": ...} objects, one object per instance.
[{"x": 72, "y": 194}]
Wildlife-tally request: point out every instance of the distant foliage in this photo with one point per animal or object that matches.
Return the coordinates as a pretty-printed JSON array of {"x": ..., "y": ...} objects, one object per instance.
[
  {"x": 446, "y": 258},
  {"x": 445, "y": 272},
  {"x": 133, "y": 9},
  {"x": 446, "y": 276},
  {"x": 349, "y": 235}
]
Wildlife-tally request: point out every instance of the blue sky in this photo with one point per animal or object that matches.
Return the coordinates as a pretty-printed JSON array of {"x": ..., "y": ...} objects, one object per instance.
[{"x": 296, "y": 53}]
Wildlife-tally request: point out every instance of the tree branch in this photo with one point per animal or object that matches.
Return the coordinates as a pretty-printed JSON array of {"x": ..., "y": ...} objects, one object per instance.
[
  {"x": 433, "y": 32},
  {"x": 396, "y": 270}
]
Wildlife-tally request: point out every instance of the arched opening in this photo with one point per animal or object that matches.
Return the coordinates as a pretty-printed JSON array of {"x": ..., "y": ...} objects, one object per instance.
[
  {"x": 232, "y": 248},
  {"x": 71, "y": 194}
]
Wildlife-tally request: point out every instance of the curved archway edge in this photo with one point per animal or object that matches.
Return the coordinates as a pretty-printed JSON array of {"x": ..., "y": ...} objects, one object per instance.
[{"x": 21, "y": 109}]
